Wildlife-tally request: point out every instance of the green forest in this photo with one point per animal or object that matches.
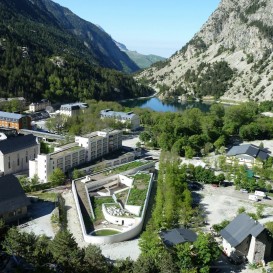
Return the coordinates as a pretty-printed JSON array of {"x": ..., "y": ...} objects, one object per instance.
[
  {"x": 195, "y": 133},
  {"x": 39, "y": 60}
]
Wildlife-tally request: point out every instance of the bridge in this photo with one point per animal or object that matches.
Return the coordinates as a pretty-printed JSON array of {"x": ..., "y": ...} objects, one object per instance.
[{"x": 42, "y": 135}]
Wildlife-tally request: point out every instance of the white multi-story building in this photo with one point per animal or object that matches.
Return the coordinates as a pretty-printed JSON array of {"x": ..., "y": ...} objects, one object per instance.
[
  {"x": 15, "y": 153},
  {"x": 86, "y": 148},
  {"x": 100, "y": 143},
  {"x": 65, "y": 158},
  {"x": 73, "y": 109},
  {"x": 129, "y": 117}
]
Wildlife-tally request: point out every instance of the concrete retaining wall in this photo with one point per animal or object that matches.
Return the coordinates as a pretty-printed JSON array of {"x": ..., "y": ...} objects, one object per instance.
[{"x": 130, "y": 233}]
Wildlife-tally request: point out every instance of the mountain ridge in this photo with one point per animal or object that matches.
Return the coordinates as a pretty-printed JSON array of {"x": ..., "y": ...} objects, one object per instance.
[{"x": 235, "y": 40}]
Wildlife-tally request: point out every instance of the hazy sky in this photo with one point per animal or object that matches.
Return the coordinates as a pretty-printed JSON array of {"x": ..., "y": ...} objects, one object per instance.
[{"x": 158, "y": 27}]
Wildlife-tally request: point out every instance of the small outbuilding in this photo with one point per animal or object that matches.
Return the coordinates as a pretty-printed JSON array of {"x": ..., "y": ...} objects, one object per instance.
[
  {"x": 246, "y": 237},
  {"x": 13, "y": 200},
  {"x": 177, "y": 236}
]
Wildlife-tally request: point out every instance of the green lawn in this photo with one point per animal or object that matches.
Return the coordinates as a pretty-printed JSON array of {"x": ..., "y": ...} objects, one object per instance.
[
  {"x": 97, "y": 206},
  {"x": 139, "y": 191},
  {"x": 46, "y": 196}
]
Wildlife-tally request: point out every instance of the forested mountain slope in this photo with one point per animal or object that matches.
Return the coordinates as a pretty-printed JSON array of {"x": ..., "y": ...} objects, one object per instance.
[
  {"x": 41, "y": 59},
  {"x": 229, "y": 58},
  {"x": 98, "y": 42}
]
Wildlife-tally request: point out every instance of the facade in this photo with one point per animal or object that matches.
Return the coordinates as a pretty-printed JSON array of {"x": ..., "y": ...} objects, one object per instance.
[
  {"x": 73, "y": 109},
  {"x": 16, "y": 121},
  {"x": 85, "y": 149},
  {"x": 39, "y": 106},
  {"x": 123, "y": 117},
  {"x": 64, "y": 158},
  {"x": 247, "y": 154},
  {"x": 245, "y": 237},
  {"x": 100, "y": 143},
  {"x": 13, "y": 201},
  {"x": 15, "y": 153}
]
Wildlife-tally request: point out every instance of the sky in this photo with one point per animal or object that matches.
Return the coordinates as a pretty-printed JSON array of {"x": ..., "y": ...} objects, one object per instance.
[{"x": 159, "y": 27}]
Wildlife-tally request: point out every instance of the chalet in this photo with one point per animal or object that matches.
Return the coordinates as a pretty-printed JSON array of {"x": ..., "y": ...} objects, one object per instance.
[
  {"x": 13, "y": 200},
  {"x": 245, "y": 237},
  {"x": 247, "y": 154}
]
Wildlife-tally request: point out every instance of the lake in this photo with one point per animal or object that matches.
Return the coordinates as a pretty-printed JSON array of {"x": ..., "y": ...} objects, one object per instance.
[{"x": 157, "y": 105}]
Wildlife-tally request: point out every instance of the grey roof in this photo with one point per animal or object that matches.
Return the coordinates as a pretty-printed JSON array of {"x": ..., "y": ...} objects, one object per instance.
[
  {"x": 17, "y": 143},
  {"x": 74, "y": 106},
  {"x": 118, "y": 115},
  {"x": 240, "y": 228},
  {"x": 177, "y": 236},
  {"x": 249, "y": 149},
  {"x": 12, "y": 196},
  {"x": 10, "y": 116}
]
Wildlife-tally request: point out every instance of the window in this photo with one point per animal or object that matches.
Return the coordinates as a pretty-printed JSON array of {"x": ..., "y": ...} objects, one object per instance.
[
  {"x": 18, "y": 160},
  {"x": 26, "y": 156},
  {"x": 9, "y": 163}
]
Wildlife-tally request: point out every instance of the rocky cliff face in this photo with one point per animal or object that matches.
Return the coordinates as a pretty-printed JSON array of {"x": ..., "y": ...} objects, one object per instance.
[{"x": 229, "y": 58}]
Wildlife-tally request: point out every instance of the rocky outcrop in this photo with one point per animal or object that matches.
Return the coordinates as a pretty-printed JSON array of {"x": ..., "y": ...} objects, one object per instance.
[{"x": 237, "y": 37}]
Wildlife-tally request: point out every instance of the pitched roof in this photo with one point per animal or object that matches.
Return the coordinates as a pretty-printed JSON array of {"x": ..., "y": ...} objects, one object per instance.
[
  {"x": 177, "y": 236},
  {"x": 74, "y": 106},
  {"x": 118, "y": 115},
  {"x": 12, "y": 195},
  {"x": 240, "y": 228},
  {"x": 8, "y": 115},
  {"x": 249, "y": 149},
  {"x": 17, "y": 143}
]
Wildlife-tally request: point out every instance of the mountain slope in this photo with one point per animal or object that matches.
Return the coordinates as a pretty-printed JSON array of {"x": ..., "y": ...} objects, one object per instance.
[
  {"x": 99, "y": 43},
  {"x": 230, "y": 57},
  {"x": 142, "y": 61},
  {"x": 41, "y": 59}
]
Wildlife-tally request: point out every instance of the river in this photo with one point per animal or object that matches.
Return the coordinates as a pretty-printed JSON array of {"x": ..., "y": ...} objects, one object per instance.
[{"x": 156, "y": 104}]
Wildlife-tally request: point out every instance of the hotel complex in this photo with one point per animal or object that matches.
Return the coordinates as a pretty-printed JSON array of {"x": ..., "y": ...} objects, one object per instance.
[{"x": 66, "y": 157}]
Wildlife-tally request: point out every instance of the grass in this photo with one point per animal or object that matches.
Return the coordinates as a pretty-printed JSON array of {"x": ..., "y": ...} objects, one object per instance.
[
  {"x": 46, "y": 196},
  {"x": 139, "y": 191},
  {"x": 125, "y": 167},
  {"x": 105, "y": 232},
  {"x": 97, "y": 206},
  {"x": 121, "y": 196}
]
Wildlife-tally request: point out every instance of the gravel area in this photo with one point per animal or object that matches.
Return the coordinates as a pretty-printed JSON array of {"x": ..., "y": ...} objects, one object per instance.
[
  {"x": 222, "y": 203},
  {"x": 40, "y": 219}
]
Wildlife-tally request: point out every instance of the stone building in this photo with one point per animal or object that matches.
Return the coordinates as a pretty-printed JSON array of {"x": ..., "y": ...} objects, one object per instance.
[
  {"x": 12, "y": 120},
  {"x": 13, "y": 200},
  {"x": 245, "y": 237}
]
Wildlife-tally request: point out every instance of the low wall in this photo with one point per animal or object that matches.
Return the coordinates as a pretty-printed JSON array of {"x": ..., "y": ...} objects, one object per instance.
[{"x": 118, "y": 220}]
